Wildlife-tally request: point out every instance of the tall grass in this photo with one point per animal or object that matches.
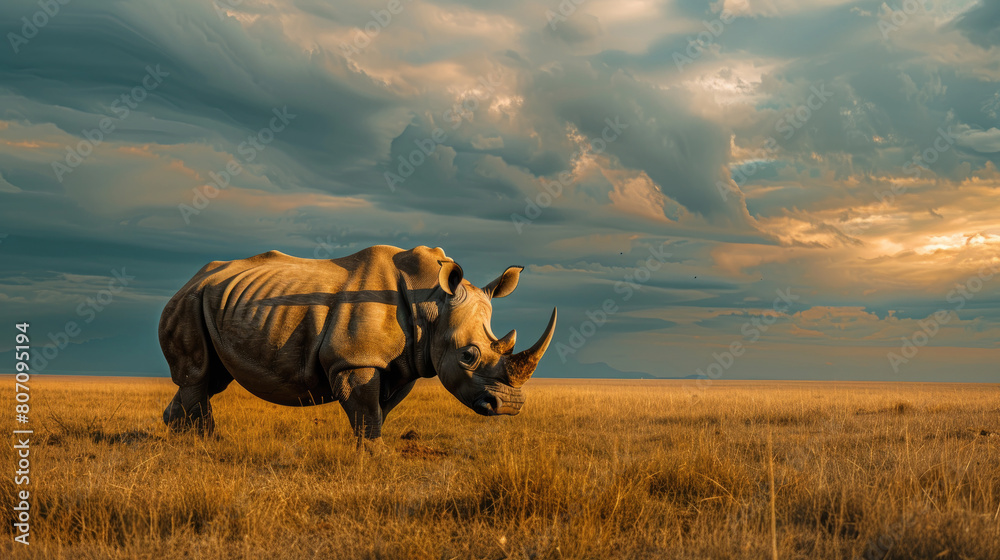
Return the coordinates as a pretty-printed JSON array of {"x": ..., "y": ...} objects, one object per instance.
[{"x": 588, "y": 470}]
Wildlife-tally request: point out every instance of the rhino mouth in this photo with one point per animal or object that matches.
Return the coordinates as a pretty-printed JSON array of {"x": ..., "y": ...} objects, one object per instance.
[{"x": 499, "y": 400}]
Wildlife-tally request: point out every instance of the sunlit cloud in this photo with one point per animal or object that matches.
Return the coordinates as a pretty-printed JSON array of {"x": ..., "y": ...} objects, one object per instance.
[{"x": 872, "y": 201}]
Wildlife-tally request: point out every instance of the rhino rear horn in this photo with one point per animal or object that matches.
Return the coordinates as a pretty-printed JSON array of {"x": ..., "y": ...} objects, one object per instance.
[
  {"x": 505, "y": 345},
  {"x": 520, "y": 366}
]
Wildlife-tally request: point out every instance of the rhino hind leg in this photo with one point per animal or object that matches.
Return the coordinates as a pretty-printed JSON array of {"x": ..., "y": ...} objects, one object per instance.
[
  {"x": 191, "y": 407},
  {"x": 194, "y": 365}
]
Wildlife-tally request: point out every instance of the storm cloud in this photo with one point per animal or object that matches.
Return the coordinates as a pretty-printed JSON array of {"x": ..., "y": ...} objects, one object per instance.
[{"x": 846, "y": 151}]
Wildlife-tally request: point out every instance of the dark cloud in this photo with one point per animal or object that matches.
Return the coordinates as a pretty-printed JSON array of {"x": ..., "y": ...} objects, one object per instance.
[
  {"x": 224, "y": 81},
  {"x": 654, "y": 131},
  {"x": 579, "y": 29},
  {"x": 809, "y": 219},
  {"x": 981, "y": 24}
]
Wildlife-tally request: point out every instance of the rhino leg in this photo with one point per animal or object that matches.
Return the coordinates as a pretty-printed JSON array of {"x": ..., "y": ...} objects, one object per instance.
[
  {"x": 191, "y": 408},
  {"x": 390, "y": 403},
  {"x": 358, "y": 392},
  {"x": 194, "y": 364}
]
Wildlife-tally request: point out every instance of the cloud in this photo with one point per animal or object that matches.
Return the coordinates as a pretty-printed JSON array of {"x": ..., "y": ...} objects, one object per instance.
[
  {"x": 981, "y": 24},
  {"x": 578, "y": 29},
  {"x": 986, "y": 141},
  {"x": 755, "y": 184}
]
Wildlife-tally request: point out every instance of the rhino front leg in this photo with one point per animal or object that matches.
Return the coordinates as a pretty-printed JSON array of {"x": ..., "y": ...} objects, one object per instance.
[
  {"x": 358, "y": 392},
  {"x": 393, "y": 399}
]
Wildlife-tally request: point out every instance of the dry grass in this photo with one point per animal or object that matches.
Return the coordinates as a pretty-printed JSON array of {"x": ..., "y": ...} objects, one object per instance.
[{"x": 589, "y": 470}]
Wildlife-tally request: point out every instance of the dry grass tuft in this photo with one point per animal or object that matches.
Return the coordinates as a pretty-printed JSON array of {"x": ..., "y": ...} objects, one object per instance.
[
  {"x": 588, "y": 470},
  {"x": 903, "y": 408}
]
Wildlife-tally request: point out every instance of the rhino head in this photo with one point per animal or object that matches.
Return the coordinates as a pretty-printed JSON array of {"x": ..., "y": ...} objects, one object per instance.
[{"x": 481, "y": 370}]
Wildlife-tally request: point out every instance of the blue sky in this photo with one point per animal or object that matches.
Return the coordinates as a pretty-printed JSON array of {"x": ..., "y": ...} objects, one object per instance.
[{"x": 664, "y": 171}]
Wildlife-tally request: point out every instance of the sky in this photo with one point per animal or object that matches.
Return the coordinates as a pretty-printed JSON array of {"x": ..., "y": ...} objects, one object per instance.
[{"x": 737, "y": 189}]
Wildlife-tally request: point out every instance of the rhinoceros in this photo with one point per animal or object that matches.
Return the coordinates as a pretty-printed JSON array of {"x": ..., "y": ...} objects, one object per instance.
[{"x": 359, "y": 330}]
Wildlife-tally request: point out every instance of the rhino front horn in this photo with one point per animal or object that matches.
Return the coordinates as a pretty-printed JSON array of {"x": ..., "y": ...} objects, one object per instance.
[{"x": 520, "y": 366}]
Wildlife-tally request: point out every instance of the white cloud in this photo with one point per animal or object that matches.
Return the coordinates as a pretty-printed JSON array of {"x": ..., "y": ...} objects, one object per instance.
[{"x": 985, "y": 141}]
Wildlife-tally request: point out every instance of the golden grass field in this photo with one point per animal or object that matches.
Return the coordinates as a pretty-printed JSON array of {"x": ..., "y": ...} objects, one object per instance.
[{"x": 590, "y": 469}]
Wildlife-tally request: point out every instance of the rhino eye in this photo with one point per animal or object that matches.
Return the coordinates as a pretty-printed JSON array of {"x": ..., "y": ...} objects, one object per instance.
[{"x": 469, "y": 357}]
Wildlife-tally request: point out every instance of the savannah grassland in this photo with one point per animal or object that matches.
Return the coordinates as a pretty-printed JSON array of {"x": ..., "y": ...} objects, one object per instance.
[{"x": 590, "y": 469}]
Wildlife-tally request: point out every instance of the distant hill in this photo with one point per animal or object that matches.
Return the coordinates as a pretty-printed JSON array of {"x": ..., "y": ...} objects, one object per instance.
[{"x": 597, "y": 370}]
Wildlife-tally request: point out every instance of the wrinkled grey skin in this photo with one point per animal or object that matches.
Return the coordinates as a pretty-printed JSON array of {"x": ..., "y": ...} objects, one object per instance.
[{"x": 359, "y": 330}]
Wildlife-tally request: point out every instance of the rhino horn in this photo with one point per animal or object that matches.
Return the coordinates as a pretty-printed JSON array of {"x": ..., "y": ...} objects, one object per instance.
[
  {"x": 505, "y": 345},
  {"x": 520, "y": 366}
]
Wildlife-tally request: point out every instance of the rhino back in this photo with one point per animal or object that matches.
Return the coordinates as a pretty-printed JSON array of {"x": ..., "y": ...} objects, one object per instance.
[{"x": 282, "y": 324}]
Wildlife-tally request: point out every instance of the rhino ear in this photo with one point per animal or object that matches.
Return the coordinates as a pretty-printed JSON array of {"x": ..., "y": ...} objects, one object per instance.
[
  {"x": 450, "y": 276},
  {"x": 505, "y": 284}
]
